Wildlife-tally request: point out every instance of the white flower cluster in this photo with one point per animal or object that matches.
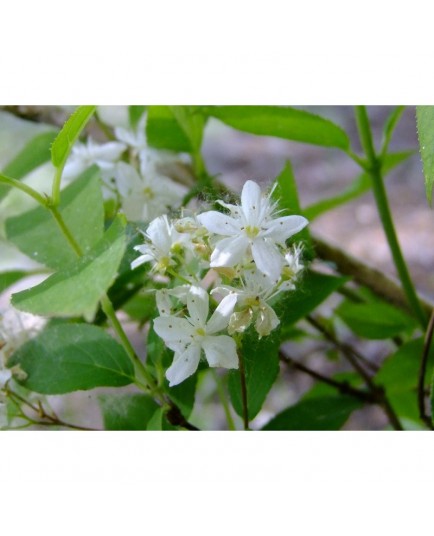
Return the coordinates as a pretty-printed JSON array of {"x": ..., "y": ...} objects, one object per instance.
[
  {"x": 138, "y": 184},
  {"x": 240, "y": 258}
]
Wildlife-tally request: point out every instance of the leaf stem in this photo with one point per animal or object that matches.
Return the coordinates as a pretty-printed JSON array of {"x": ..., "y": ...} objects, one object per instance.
[
  {"x": 109, "y": 311},
  {"x": 243, "y": 391},
  {"x": 66, "y": 232},
  {"x": 14, "y": 183},
  {"x": 422, "y": 373},
  {"x": 380, "y": 195}
]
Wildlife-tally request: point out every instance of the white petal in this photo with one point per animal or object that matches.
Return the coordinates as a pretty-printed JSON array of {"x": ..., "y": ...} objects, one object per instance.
[
  {"x": 220, "y": 318},
  {"x": 127, "y": 179},
  {"x": 114, "y": 116},
  {"x": 267, "y": 258},
  {"x": 5, "y": 376},
  {"x": 251, "y": 201},
  {"x": 109, "y": 152},
  {"x": 198, "y": 305},
  {"x": 158, "y": 232},
  {"x": 141, "y": 260},
  {"x": 134, "y": 206},
  {"x": 218, "y": 223},
  {"x": 267, "y": 321},
  {"x": 173, "y": 329},
  {"x": 184, "y": 365},
  {"x": 74, "y": 167},
  {"x": 229, "y": 251},
  {"x": 220, "y": 351},
  {"x": 164, "y": 303},
  {"x": 235, "y": 210},
  {"x": 281, "y": 229}
]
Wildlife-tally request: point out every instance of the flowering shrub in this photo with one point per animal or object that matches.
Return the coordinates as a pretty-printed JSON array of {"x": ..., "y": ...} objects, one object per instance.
[{"x": 145, "y": 274}]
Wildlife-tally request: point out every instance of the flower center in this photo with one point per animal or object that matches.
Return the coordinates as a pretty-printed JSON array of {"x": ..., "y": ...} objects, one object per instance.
[
  {"x": 251, "y": 231},
  {"x": 148, "y": 192},
  {"x": 163, "y": 264},
  {"x": 200, "y": 332}
]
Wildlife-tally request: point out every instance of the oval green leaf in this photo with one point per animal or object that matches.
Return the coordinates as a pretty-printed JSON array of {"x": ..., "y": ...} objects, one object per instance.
[
  {"x": 425, "y": 129},
  {"x": 69, "y": 134},
  {"x": 261, "y": 363},
  {"x": 376, "y": 320},
  {"x": 72, "y": 357},
  {"x": 77, "y": 289},
  {"x": 322, "y": 413},
  {"x": 281, "y": 122},
  {"x": 127, "y": 411}
]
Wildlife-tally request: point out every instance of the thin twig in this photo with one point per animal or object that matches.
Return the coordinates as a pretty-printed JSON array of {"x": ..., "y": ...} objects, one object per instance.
[
  {"x": 353, "y": 358},
  {"x": 39, "y": 410},
  {"x": 422, "y": 373},
  {"x": 343, "y": 387}
]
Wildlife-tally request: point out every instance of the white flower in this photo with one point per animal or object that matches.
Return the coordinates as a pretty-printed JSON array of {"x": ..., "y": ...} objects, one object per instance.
[
  {"x": 135, "y": 137},
  {"x": 187, "y": 337},
  {"x": 163, "y": 241},
  {"x": 84, "y": 155},
  {"x": 291, "y": 268},
  {"x": 164, "y": 301},
  {"x": 143, "y": 198},
  {"x": 251, "y": 229},
  {"x": 256, "y": 289},
  {"x": 114, "y": 116}
]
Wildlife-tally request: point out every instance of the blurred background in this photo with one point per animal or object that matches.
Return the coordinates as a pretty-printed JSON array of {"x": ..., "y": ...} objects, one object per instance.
[{"x": 355, "y": 227}]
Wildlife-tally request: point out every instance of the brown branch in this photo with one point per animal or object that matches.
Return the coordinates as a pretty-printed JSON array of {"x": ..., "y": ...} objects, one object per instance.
[
  {"x": 176, "y": 418},
  {"x": 384, "y": 286},
  {"x": 422, "y": 373},
  {"x": 343, "y": 387},
  {"x": 50, "y": 420}
]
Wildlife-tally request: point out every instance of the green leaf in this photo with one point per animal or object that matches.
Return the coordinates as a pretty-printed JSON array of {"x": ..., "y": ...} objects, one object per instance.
[
  {"x": 425, "y": 129},
  {"x": 375, "y": 320},
  {"x": 77, "y": 289},
  {"x": 140, "y": 307},
  {"x": 286, "y": 194},
  {"x": 33, "y": 155},
  {"x": 37, "y": 234},
  {"x": 312, "y": 290},
  {"x": 159, "y": 422},
  {"x": 127, "y": 411},
  {"x": 72, "y": 357},
  {"x": 192, "y": 124},
  {"x": 390, "y": 125},
  {"x": 322, "y": 413},
  {"x": 281, "y": 122},
  {"x": 183, "y": 394},
  {"x": 261, "y": 363},
  {"x": 358, "y": 187},
  {"x": 164, "y": 132},
  {"x": 400, "y": 370},
  {"x": 399, "y": 376},
  {"x": 135, "y": 114},
  {"x": 9, "y": 278},
  {"x": 69, "y": 134}
]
